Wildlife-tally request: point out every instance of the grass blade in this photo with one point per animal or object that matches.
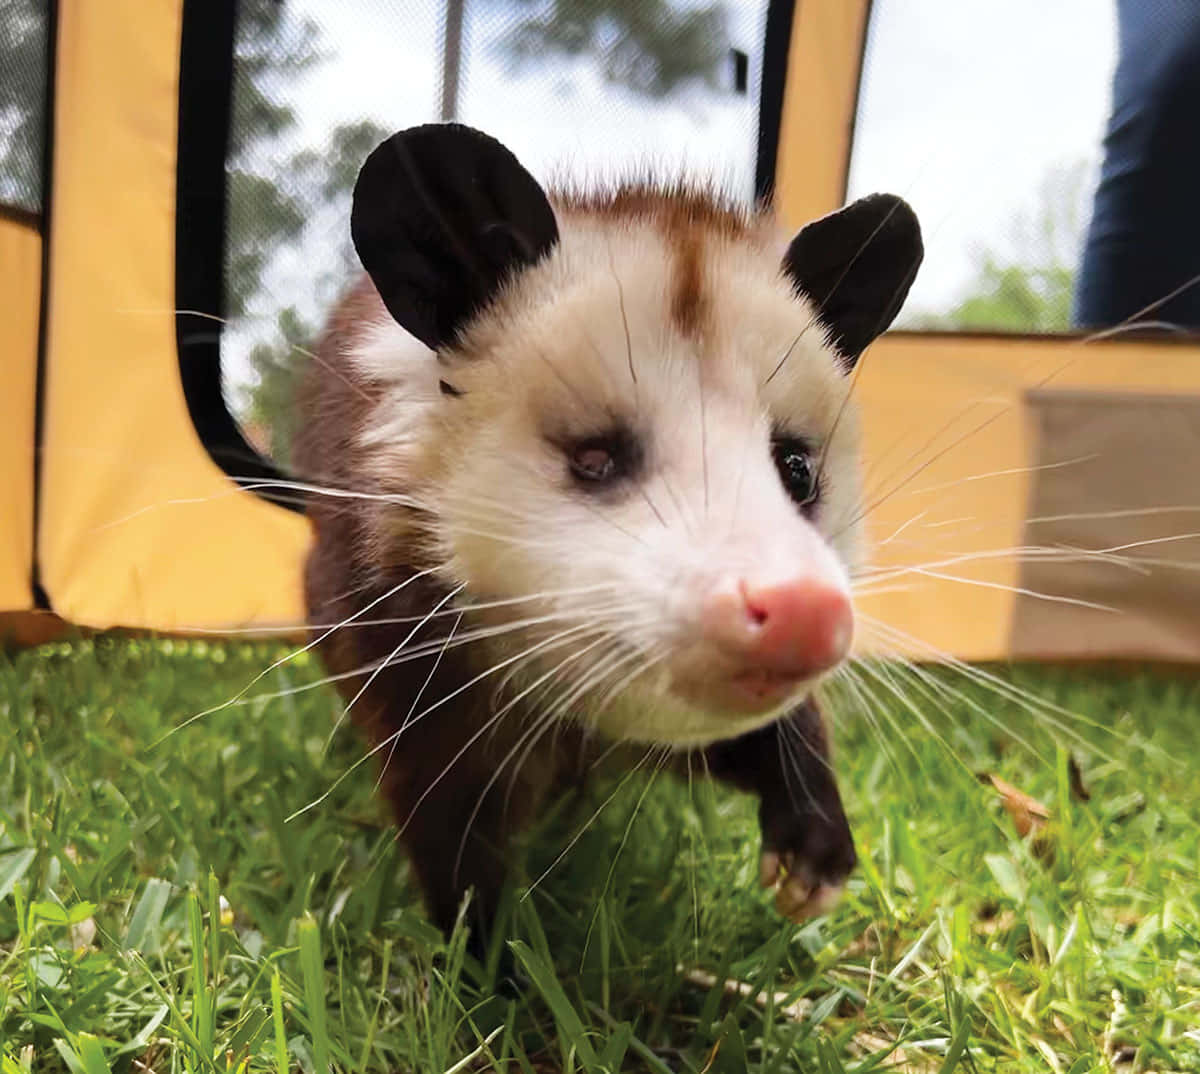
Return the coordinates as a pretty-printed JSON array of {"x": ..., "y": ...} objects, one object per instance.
[
  {"x": 91, "y": 1054},
  {"x": 147, "y": 915},
  {"x": 570, "y": 1026},
  {"x": 281, "y": 1047},
  {"x": 13, "y": 868},
  {"x": 312, "y": 968}
]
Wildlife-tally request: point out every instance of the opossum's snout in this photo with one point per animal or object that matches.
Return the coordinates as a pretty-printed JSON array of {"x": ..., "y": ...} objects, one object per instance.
[{"x": 777, "y": 634}]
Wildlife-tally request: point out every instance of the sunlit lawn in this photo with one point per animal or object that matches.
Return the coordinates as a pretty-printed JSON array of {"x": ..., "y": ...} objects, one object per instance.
[{"x": 159, "y": 912}]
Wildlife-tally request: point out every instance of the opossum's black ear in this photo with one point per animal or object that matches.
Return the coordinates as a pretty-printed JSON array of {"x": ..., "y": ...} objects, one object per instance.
[
  {"x": 856, "y": 266},
  {"x": 443, "y": 215}
]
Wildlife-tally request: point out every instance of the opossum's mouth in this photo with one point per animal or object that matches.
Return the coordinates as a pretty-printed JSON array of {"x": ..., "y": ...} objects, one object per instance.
[
  {"x": 742, "y": 692},
  {"x": 763, "y": 688}
]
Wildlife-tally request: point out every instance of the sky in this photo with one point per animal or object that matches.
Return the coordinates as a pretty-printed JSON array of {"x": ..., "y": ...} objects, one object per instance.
[{"x": 966, "y": 108}]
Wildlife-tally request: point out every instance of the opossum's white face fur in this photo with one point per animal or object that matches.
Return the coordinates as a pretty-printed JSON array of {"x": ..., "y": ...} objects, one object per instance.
[{"x": 642, "y": 425}]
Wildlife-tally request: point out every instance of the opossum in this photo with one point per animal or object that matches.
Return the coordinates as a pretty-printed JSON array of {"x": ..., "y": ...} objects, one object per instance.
[{"x": 597, "y": 455}]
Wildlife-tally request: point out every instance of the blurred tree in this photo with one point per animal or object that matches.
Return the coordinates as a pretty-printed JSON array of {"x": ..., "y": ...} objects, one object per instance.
[
  {"x": 649, "y": 46},
  {"x": 274, "y": 192},
  {"x": 270, "y": 414},
  {"x": 23, "y": 28},
  {"x": 272, "y": 48},
  {"x": 279, "y": 362},
  {"x": 1029, "y": 287}
]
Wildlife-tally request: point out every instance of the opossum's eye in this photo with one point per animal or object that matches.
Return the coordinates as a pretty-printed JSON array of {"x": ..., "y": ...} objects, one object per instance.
[
  {"x": 796, "y": 469},
  {"x": 603, "y": 460}
]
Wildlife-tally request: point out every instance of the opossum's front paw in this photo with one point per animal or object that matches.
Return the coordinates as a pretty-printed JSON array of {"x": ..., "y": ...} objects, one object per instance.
[
  {"x": 799, "y": 892},
  {"x": 806, "y": 857}
]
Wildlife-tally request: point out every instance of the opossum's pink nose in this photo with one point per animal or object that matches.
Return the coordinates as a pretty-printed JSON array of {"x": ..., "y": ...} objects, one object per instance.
[{"x": 795, "y": 628}]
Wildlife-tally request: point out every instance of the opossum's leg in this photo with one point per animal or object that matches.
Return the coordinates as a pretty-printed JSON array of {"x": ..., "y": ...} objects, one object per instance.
[
  {"x": 433, "y": 836},
  {"x": 808, "y": 849},
  {"x": 460, "y": 831}
]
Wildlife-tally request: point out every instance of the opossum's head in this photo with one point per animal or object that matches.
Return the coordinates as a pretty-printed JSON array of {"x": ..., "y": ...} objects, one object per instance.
[{"x": 629, "y": 415}]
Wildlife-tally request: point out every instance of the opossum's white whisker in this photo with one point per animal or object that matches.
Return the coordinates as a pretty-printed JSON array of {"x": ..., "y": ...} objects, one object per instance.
[
  {"x": 1025, "y": 554},
  {"x": 608, "y": 663},
  {"x": 891, "y": 456},
  {"x": 653, "y": 656},
  {"x": 1182, "y": 330},
  {"x": 624, "y": 651},
  {"x": 290, "y": 656},
  {"x": 895, "y": 534},
  {"x": 536, "y": 730},
  {"x": 490, "y": 632},
  {"x": 878, "y": 672},
  {"x": 555, "y": 710},
  {"x": 611, "y": 623},
  {"x": 612, "y": 268},
  {"x": 848, "y": 678},
  {"x": 1010, "y": 471},
  {"x": 819, "y": 302},
  {"x": 650, "y": 503},
  {"x": 1132, "y": 321},
  {"x": 1061, "y": 727},
  {"x": 416, "y": 653},
  {"x": 1035, "y": 705},
  {"x": 1023, "y": 591},
  {"x": 878, "y": 589},
  {"x": 416, "y": 701},
  {"x": 787, "y": 727},
  {"x": 239, "y": 486},
  {"x": 837, "y": 418},
  {"x": 477, "y": 634},
  {"x": 867, "y": 701},
  {"x": 553, "y": 714},
  {"x": 330, "y": 491},
  {"x": 791, "y": 765},
  {"x": 587, "y": 824},
  {"x": 922, "y": 467},
  {"x": 226, "y": 321},
  {"x": 1125, "y": 512},
  {"x": 450, "y": 595},
  {"x": 562, "y": 638},
  {"x": 663, "y": 754},
  {"x": 934, "y": 689},
  {"x": 329, "y": 367},
  {"x": 1009, "y": 405},
  {"x": 787, "y": 353}
]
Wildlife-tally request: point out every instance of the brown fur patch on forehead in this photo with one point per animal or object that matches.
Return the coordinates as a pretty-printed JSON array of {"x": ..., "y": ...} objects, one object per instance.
[
  {"x": 687, "y": 281},
  {"x": 688, "y": 217},
  {"x": 671, "y": 207}
]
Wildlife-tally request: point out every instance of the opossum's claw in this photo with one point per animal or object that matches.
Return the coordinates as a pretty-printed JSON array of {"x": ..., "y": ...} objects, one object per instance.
[{"x": 799, "y": 895}]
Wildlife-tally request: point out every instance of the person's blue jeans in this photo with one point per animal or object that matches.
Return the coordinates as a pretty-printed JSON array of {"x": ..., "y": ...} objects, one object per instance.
[{"x": 1144, "y": 238}]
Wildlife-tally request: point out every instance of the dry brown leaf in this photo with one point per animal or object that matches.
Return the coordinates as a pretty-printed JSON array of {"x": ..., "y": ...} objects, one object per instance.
[
  {"x": 1028, "y": 814},
  {"x": 1078, "y": 791}
]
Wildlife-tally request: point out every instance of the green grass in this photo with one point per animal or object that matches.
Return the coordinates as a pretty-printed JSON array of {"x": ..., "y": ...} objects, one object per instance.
[{"x": 159, "y": 912}]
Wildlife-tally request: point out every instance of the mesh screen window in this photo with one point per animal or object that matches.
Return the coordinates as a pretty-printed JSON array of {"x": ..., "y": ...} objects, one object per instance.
[
  {"x": 318, "y": 84},
  {"x": 24, "y": 26},
  {"x": 989, "y": 119}
]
